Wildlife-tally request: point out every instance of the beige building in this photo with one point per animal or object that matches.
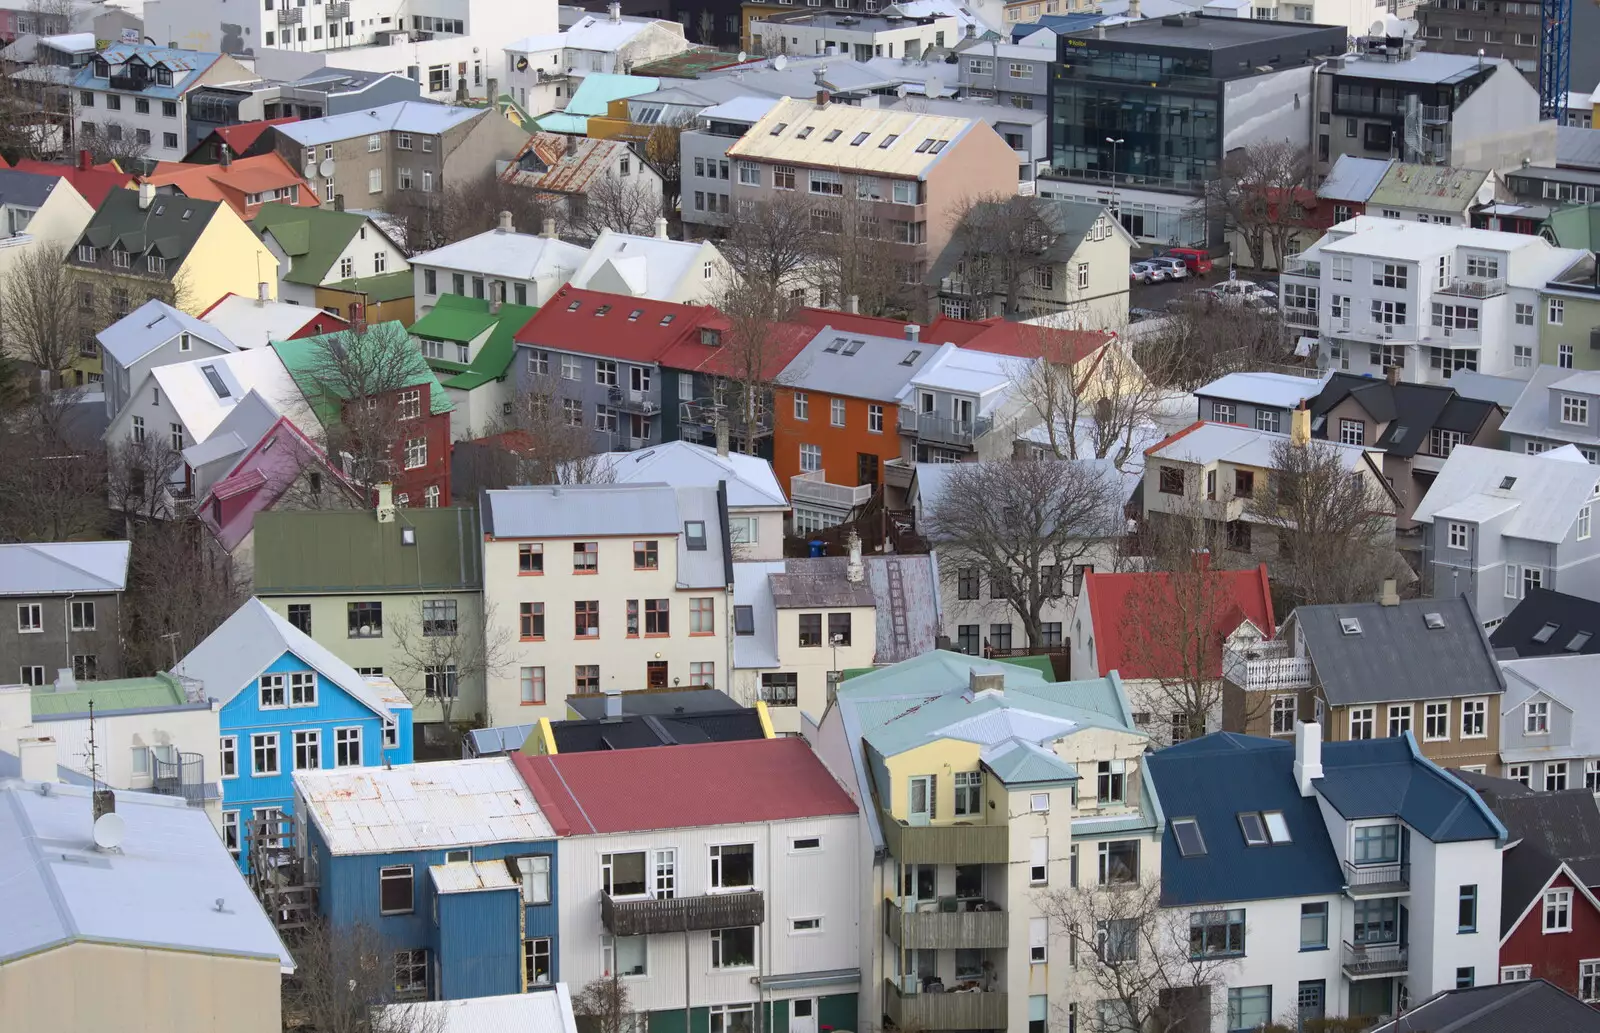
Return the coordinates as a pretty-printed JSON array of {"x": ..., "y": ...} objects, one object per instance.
[
  {"x": 132, "y": 920},
  {"x": 604, "y": 586}
]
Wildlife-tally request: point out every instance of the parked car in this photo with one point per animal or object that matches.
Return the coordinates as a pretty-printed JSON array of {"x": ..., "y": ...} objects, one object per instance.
[
  {"x": 1197, "y": 259},
  {"x": 1146, "y": 272},
  {"x": 1139, "y": 315},
  {"x": 1174, "y": 267},
  {"x": 1240, "y": 292}
]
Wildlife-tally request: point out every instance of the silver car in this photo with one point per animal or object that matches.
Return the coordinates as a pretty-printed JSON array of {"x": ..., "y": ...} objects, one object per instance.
[
  {"x": 1146, "y": 272},
  {"x": 1174, "y": 267}
]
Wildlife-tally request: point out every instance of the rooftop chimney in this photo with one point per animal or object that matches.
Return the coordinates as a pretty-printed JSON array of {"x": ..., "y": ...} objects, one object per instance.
[
  {"x": 1133, "y": 10},
  {"x": 854, "y": 572},
  {"x": 661, "y": 227},
  {"x": 1300, "y": 426},
  {"x": 613, "y": 705},
  {"x": 338, "y": 202},
  {"x": 38, "y": 759},
  {"x": 1307, "y": 755},
  {"x": 16, "y": 707},
  {"x": 147, "y": 195},
  {"x": 1392, "y": 375},
  {"x": 985, "y": 681},
  {"x": 505, "y": 223},
  {"x": 225, "y": 158},
  {"x": 385, "y": 503},
  {"x": 1390, "y": 595},
  {"x": 66, "y": 681},
  {"x": 261, "y": 294},
  {"x": 572, "y": 145},
  {"x": 85, "y": 161},
  {"x": 549, "y": 228},
  {"x": 852, "y": 304},
  {"x": 822, "y": 98},
  {"x": 722, "y": 436},
  {"x": 614, "y": 9},
  {"x": 913, "y": 332},
  {"x": 972, "y": 31},
  {"x": 105, "y": 802}
]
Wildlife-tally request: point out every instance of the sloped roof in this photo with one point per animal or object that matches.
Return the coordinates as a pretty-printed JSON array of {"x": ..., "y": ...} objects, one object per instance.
[
  {"x": 300, "y": 358},
  {"x": 1279, "y": 390},
  {"x": 25, "y": 189},
  {"x": 1498, "y": 1008},
  {"x": 638, "y": 731},
  {"x": 1211, "y": 780},
  {"x": 1546, "y": 492},
  {"x": 516, "y": 256},
  {"x": 55, "y": 568},
  {"x": 562, "y": 164},
  {"x": 596, "y": 92},
  {"x": 751, "y": 482},
  {"x": 243, "y": 136},
  {"x": 617, "y": 326},
  {"x": 151, "y": 325},
  {"x": 93, "y": 184},
  {"x": 896, "y": 143},
  {"x": 1380, "y": 778},
  {"x": 724, "y": 783},
  {"x": 1395, "y": 655},
  {"x": 347, "y": 550},
  {"x": 549, "y": 1012},
  {"x": 455, "y": 318},
  {"x": 1570, "y": 616},
  {"x": 1575, "y": 226},
  {"x": 1124, "y": 642},
  {"x": 263, "y": 472},
  {"x": 202, "y": 409},
  {"x": 234, "y": 182},
  {"x": 159, "y": 890},
  {"x": 254, "y": 323},
  {"x": 1428, "y": 187},
  {"x": 1353, "y": 178},
  {"x": 858, "y": 365},
  {"x": 1531, "y": 415},
  {"x": 1205, "y": 441},
  {"x": 312, "y": 237},
  {"x": 186, "y": 66},
  {"x": 651, "y": 266},
  {"x": 169, "y": 228},
  {"x": 1410, "y": 410},
  {"x": 1569, "y": 680},
  {"x": 406, "y": 116},
  {"x": 1564, "y": 824}
]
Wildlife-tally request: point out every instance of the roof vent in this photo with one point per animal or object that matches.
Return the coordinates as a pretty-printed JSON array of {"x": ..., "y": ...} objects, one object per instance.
[
  {"x": 986, "y": 681},
  {"x": 1434, "y": 621},
  {"x": 1350, "y": 625}
]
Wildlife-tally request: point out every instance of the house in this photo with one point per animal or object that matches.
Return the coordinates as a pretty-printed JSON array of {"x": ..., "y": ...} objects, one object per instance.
[
  {"x": 1534, "y": 626},
  {"x": 564, "y": 170},
  {"x": 154, "y": 334},
  {"x": 240, "y": 140},
  {"x": 469, "y": 343},
  {"x": 521, "y": 268},
  {"x": 1427, "y": 299},
  {"x": 716, "y": 378},
  {"x": 320, "y": 249},
  {"x": 92, "y": 937},
  {"x": 1076, "y": 281},
  {"x": 467, "y": 903},
  {"x": 37, "y": 210},
  {"x": 703, "y": 147},
  {"x": 1365, "y": 670},
  {"x": 622, "y": 560},
  {"x": 92, "y": 182},
  {"x": 888, "y": 33},
  {"x": 256, "y": 322},
  {"x": 288, "y": 704},
  {"x": 734, "y": 894},
  {"x": 684, "y": 272},
  {"x": 1416, "y": 425},
  {"x": 151, "y": 735},
  {"x": 68, "y": 601},
  {"x": 419, "y": 462},
  {"x": 655, "y": 718},
  {"x": 1554, "y": 410},
  {"x": 1350, "y": 184},
  {"x": 1439, "y": 196},
  {"x": 1569, "y": 306},
  {"x": 1497, "y": 524},
  {"x": 916, "y": 169},
  {"x": 1341, "y": 878},
  {"x": 1260, "y": 400},
  {"x": 1546, "y": 741},
  {"x": 1491, "y": 1009},
  {"x": 534, "y": 1013},
  {"x": 924, "y": 747},
  {"x": 387, "y": 156},
  {"x": 375, "y": 592},
  {"x": 142, "y": 90},
  {"x": 243, "y": 184},
  {"x": 543, "y": 72}
]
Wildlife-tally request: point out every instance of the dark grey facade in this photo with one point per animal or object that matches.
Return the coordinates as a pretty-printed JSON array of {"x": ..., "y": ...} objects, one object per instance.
[
  {"x": 1499, "y": 28},
  {"x": 43, "y": 634},
  {"x": 617, "y": 401}
]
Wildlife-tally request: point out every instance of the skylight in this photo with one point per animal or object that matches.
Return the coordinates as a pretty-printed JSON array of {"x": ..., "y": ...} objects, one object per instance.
[
  {"x": 854, "y": 346},
  {"x": 888, "y": 141},
  {"x": 1434, "y": 621},
  {"x": 744, "y": 620},
  {"x": 1255, "y": 830},
  {"x": 1579, "y": 640},
  {"x": 1350, "y": 625},
  {"x": 834, "y": 345},
  {"x": 804, "y": 132},
  {"x": 833, "y": 134},
  {"x": 780, "y": 127},
  {"x": 574, "y": 306},
  {"x": 1546, "y": 633},
  {"x": 602, "y": 310},
  {"x": 938, "y": 145},
  {"x": 1506, "y": 483},
  {"x": 215, "y": 380},
  {"x": 911, "y": 357},
  {"x": 1277, "y": 827},
  {"x": 633, "y": 317},
  {"x": 666, "y": 319},
  {"x": 860, "y": 139},
  {"x": 924, "y": 145},
  {"x": 1190, "y": 842}
]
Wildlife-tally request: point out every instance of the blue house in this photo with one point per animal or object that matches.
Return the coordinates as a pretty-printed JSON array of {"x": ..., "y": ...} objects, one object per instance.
[
  {"x": 288, "y": 704},
  {"x": 452, "y": 864}
]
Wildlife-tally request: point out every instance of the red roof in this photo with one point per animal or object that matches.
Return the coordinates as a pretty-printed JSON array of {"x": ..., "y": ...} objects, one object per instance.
[
  {"x": 690, "y": 786},
  {"x": 1127, "y": 642},
  {"x": 93, "y": 182},
  {"x": 243, "y": 136},
  {"x": 882, "y": 326},
  {"x": 614, "y": 326},
  {"x": 1023, "y": 340},
  {"x": 784, "y": 341}
]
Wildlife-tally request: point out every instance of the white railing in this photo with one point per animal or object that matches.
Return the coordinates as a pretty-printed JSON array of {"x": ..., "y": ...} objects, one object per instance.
[
  {"x": 813, "y": 488},
  {"x": 1298, "y": 265},
  {"x": 1303, "y": 317},
  {"x": 1266, "y": 667}
]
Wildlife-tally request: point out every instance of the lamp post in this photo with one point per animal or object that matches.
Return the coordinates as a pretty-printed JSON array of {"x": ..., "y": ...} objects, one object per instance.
[{"x": 1115, "y": 142}]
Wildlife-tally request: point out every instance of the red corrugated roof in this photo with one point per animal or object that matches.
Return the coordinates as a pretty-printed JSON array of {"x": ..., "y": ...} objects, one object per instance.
[
  {"x": 613, "y": 326},
  {"x": 243, "y": 136},
  {"x": 672, "y": 787},
  {"x": 93, "y": 184},
  {"x": 727, "y": 358},
  {"x": 1139, "y": 620},
  {"x": 1023, "y": 340},
  {"x": 818, "y": 318}
]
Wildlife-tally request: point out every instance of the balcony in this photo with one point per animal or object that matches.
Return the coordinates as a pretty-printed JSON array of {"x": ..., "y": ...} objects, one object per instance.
[
  {"x": 1296, "y": 265},
  {"x": 339, "y": 9},
  {"x": 1474, "y": 288},
  {"x": 943, "y": 430},
  {"x": 181, "y": 775},
  {"x": 897, "y": 473},
  {"x": 940, "y": 925},
  {"x": 1305, "y": 318},
  {"x": 964, "y": 1010},
  {"x": 1373, "y": 959},
  {"x": 677, "y": 914},
  {"x": 812, "y": 488},
  {"x": 1377, "y": 880},
  {"x": 945, "y": 844},
  {"x": 1435, "y": 113},
  {"x": 633, "y": 401},
  {"x": 1267, "y": 667},
  {"x": 290, "y": 15}
]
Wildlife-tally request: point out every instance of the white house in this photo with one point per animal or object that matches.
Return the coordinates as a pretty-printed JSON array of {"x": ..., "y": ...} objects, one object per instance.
[
  {"x": 546, "y": 69},
  {"x": 154, "y": 334},
  {"x": 37, "y": 210},
  {"x": 853, "y": 35},
  {"x": 524, "y": 268},
  {"x": 139, "y": 91},
  {"x": 685, "y": 272}
]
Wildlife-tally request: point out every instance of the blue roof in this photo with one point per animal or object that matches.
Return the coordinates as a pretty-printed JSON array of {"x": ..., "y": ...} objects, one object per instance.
[
  {"x": 1372, "y": 778},
  {"x": 186, "y": 67},
  {"x": 1212, "y": 779},
  {"x": 1058, "y": 23}
]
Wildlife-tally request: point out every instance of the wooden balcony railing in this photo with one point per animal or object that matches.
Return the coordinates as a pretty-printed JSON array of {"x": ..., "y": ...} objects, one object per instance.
[
  {"x": 949, "y": 1010},
  {"x": 939, "y": 929},
  {"x": 945, "y": 844},
  {"x": 676, "y": 914}
]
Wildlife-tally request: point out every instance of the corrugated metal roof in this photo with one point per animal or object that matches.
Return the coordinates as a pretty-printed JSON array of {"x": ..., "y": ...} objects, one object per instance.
[
  {"x": 53, "y": 568},
  {"x": 1547, "y": 490},
  {"x": 896, "y": 143},
  {"x": 486, "y": 742},
  {"x": 540, "y": 1012},
  {"x": 1396, "y": 655},
  {"x": 841, "y": 362},
  {"x": 1429, "y": 187},
  {"x": 1207, "y": 442},
  {"x": 342, "y": 550},
  {"x": 1020, "y": 763},
  {"x": 519, "y": 256},
  {"x": 1354, "y": 179},
  {"x": 407, "y": 116},
  {"x": 161, "y": 691},
  {"x": 578, "y": 510},
  {"x": 563, "y": 164},
  {"x": 751, "y": 482},
  {"x": 1282, "y": 390},
  {"x": 471, "y": 876},
  {"x": 429, "y": 806}
]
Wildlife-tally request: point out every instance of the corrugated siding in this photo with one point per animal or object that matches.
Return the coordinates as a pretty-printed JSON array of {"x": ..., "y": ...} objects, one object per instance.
[{"x": 480, "y": 950}]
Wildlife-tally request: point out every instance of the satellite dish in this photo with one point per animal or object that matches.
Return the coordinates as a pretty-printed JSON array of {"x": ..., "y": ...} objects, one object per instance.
[
  {"x": 108, "y": 831},
  {"x": 522, "y": 64},
  {"x": 310, "y": 170},
  {"x": 326, "y": 168},
  {"x": 780, "y": 62},
  {"x": 743, "y": 57}
]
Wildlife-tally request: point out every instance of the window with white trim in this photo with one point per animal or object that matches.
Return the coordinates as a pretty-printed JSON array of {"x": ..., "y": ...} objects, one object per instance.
[
  {"x": 1536, "y": 717},
  {"x": 1558, "y": 911},
  {"x": 1363, "y": 723},
  {"x": 1458, "y": 537},
  {"x": 1436, "y": 721}
]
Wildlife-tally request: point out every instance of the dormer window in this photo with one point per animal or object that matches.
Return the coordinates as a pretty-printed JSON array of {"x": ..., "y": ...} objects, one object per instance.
[
  {"x": 163, "y": 76},
  {"x": 102, "y": 70},
  {"x": 694, "y": 535}
]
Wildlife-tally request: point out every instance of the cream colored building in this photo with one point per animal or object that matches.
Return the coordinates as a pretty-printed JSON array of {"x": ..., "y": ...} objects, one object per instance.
[{"x": 605, "y": 586}]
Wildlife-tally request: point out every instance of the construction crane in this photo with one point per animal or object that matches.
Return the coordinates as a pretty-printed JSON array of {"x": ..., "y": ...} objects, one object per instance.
[{"x": 1555, "y": 57}]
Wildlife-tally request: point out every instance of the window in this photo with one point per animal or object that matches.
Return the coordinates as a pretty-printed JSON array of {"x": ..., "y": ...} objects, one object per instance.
[
  {"x": 1388, "y": 274},
  {"x": 585, "y": 557},
  {"x": 300, "y": 616},
  {"x": 1466, "y": 976},
  {"x": 1458, "y": 535},
  {"x": 1555, "y": 776},
  {"x": 264, "y": 753},
  {"x": 1564, "y": 356},
  {"x": 1171, "y": 480},
  {"x": 702, "y": 615},
  {"x": 780, "y": 690},
  {"x": 1557, "y": 312},
  {"x": 1467, "y": 909},
  {"x": 802, "y": 406},
  {"x": 365, "y": 620},
  {"x": 1214, "y": 934},
  {"x": 657, "y": 614},
  {"x": 1038, "y": 940},
  {"x": 230, "y": 756},
  {"x": 536, "y": 961},
  {"x": 530, "y": 558},
  {"x": 1376, "y": 844},
  {"x": 1517, "y": 973},
  {"x": 622, "y": 875},
  {"x": 347, "y": 747},
  {"x": 1362, "y": 723},
  {"x": 1524, "y": 314},
  {"x": 1588, "y": 980},
  {"x": 836, "y": 412},
  {"x": 733, "y": 948},
  {"x": 1520, "y": 773},
  {"x": 1536, "y": 717},
  {"x": 230, "y": 831},
  {"x": 969, "y": 793},
  {"x": 30, "y": 618},
  {"x": 1314, "y": 926},
  {"x": 85, "y": 665},
  {"x": 1399, "y": 719},
  {"x": 307, "y": 749},
  {"x": 1109, "y": 781},
  {"x": 733, "y": 867},
  {"x": 810, "y": 458},
  {"x": 395, "y": 889},
  {"x": 1249, "y": 1007},
  {"x": 1119, "y": 863},
  {"x": 532, "y": 682},
  {"x": 1558, "y": 911},
  {"x": 586, "y": 618},
  {"x": 272, "y": 695},
  {"x": 410, "y": 966},
  {"x": 82, "y": 615}
]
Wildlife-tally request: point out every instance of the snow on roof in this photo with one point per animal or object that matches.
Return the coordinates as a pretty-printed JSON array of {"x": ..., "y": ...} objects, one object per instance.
[{"x": 1281, "y": 390}]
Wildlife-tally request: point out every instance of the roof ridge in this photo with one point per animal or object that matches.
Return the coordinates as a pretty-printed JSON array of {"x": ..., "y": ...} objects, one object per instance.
[{"x": 31, "y": 844}]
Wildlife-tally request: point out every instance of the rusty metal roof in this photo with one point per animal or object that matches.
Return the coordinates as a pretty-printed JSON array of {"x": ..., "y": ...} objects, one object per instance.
[{"x": 561, "y": 164}]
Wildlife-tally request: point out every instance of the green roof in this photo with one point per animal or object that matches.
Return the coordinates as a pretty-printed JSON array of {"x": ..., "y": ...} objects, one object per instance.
[
  {"x": 1577, "y": 226},
  {"x": 690, "y": 64},
  {"x": 347, "y": 550},
  {"x": 455, "y": 318},
  {"x": 383, "y": 287},
  {"x": 154, "y": 693},
  {"x": 313, "y": 237},
  {"x": 1038, "y": 664},
  {"x": 299, "y": 357},
  {"x": 162, "y": 230}
]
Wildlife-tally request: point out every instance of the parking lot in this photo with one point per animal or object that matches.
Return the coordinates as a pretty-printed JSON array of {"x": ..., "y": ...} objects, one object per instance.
[{"x": 1154, "y": 296}]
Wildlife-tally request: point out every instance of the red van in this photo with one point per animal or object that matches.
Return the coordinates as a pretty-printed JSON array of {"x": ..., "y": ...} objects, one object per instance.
[{"x": 1197, "y": 259}]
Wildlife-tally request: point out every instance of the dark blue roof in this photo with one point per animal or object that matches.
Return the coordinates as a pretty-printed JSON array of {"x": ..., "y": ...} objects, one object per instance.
[
  {"x": 1212, "y": 779},
  {"x": 1373, "y": 778},
  {"x": 1061, "y": 23}
]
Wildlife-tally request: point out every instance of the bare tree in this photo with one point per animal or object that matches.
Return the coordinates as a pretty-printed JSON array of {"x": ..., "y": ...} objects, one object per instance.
[
  {"x": 426, "y": 221},
  {"x": 140, "y": 482},
  {"x": 751, "y": 355},
  {"x": 54, "y": 484},
  {"x": 345, "y": 982},
  {"x": 1201, "y": 340},
  {"x": 1334, "y": 525},
  {"x": 542, "y": 440},
  {"x": 998, "y": 244},
  {"x": 435, "y": 652},
  {"x": 1091, "y": 400},
  {"x": 855, "y": 257},
  {"x": 39, "y": 321},
  {"x": 657, "y": 144},
  {"x": 1024, "y": 523},
  {"x": 773, "y": 241},
  {"x": 1258, "y": 194},
  {"x": 351, "y": 379},
  {"x": 622, "y": 205},
  {"x": 180, "y": 589},
  {"x": 115, "y": 141},
  {"x": 603, "y": 1006},
  {"x": 1136, "y": 960}
]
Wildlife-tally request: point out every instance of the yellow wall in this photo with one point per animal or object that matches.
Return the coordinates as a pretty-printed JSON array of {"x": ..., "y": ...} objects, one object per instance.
[
  {"x": 941, "y": 759},
  {"x": 402, "y": 309},
  {"x": 228, "y": 258},
  {"x": 613, "y": 124},
  {"x": 95, "y": 988}
]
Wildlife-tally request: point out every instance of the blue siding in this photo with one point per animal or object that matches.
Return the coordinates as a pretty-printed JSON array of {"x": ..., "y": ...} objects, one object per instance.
[{"x": 479, "y": 944}]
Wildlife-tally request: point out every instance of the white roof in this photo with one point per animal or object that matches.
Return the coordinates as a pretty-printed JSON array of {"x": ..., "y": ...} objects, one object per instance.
[
  {"x": 1246, "y": 446},
  {"x": 446, "y": 803},
  {"x": 202, "y": 408},
  {"x": 515, "y": 256},
  {"x": 751, "y": 482},
  {"x": 407, "y": 116},
  {"x": 960, "y": 370},
  {"x": 752, "y": 588},
  {"x": 233, "y": 657},
  {"x": 471, "y": 876},
  {"x": 543, "y": 1012},
  {"x": 161, "y": 888},
  {"x": 649, "y": 267},
  {"x": 1536, "y": 262},
  {"x": 741, "y": 109},
  {"x": 50, "y": 568},
  {"x": 1531, "y": 416},
  {"x": 1280, "y": 390},
  {"x": 906, "y": 154},
  {"x": 1546, "y": 490},
  {"x": 251, "y": 323}
]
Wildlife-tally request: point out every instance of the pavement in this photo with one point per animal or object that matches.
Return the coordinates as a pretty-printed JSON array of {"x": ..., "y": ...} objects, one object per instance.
[{"x": 1154, "y": 295}]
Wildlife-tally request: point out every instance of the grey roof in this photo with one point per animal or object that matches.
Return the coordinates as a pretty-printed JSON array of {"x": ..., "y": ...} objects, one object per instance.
[
  {"x": 1411, "y": 411},
  {"x": 1564, "y": 824},
  {"x": 1498, "y": 1008},
  {"x": 1069, "y": 221},
  {"x": 907, "y": 590},
  {"x": 1570, "y": 682},
  {"x": 1423, "y": 66},
  {"x": 655, "y": 703},
  {"x": 1381, "y": 778},
  {"x": 751, "y": 482},
  {"x": 56, "y": 568},
  {"x": 25, "y": 189},
  {"x": 828, "y": 586},
  {"x": 1206, "y": 33},
  {"x": 1578, "y": 148},
  {"x": 160, "y": 889},
  {"x": 879, "y": 370},
  {"x": 1396, "y": 656},
  {"x": 1570, "y": 616},
  {"x": 1530, "y": 416},
  {"x": 488, "y": 742},
  {"x": 1279, "y": 390},
  {"x": 407, "y": 116},
  {"x": 1354, "y": 179},
  {"x": 1503, "y": 391},
  {"x": 151, "y": 325},
  {"x": 733, "y": 723},
  {"x": 1560, "y": 174},
  {"x": 1545, "y": 496}
]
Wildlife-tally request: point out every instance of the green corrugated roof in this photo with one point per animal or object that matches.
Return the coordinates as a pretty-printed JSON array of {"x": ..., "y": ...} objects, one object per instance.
[
  {"x": 299, "y": 357},
  {"x": 1578, "y": 226},
  {"x": 385, "y": 287},
  {"x": 313, "y": 237},
  {"x": 337, "y": 551},
  {"x": 162, "y": 690},
  {"x": 455, "y": 318}
]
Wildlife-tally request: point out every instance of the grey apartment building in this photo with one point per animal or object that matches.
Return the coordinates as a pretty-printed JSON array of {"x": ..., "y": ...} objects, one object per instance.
[
  {"x": 1497, "y": 28},
  {"x": 60, "y": 609}
]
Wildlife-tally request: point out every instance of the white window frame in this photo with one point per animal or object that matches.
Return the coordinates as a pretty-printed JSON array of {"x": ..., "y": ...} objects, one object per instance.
[
  {"x": 265, "y": 741},
  {"x": 1557, "y": 909},
  {"x": 343, "y": 740},
  {"x": 1459, "y": 536},
  {"x": 1475, "y": 708},
  {"x": 1536, "y": 717},
  {"x": 1429, "y": 715},
  {"x": 228, "y": 758}
]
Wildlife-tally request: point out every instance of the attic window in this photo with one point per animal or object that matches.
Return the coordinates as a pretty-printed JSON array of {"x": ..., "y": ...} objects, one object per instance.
[
  {"x": 938, "y": 145},
  {"x": 1255, "y": 830},
  {"x": 804, "y": 132},
  {"x": 633, "y": 317},
  {"x": 602, "y": 310},
  {"x": 888, "y": 141},
  {"x": 666, "y": 319},
  {"x": 1506, "y": 483},
  {"x": 854, "y": 346},
  {"x": 1399, "y": 432},
  {"x": 744, "y": 620},
  {"x": 1350, "y": 625},
  {"x": 1434, "y": 621},
  {"x": 780, "y": 127},
  {"x": 924, "y": 145},
  {"x": 160, "y": 208},
  {"x": 215, "y": 380},
  {"x": 1579, "y": 640},
  {"x": 833, "y": 134},
  {"x": 1277, "y": 827},
  {"x": 188, "y": 212},
  {"x": 694, "y": 533},
  {"x": 834, "y": 345},
  {"x": 911, "y": 357},
  {"x": 1546, "y": 633},
  {"x": 574, "y": 306},
  {"x": 1190, "y": 842}
]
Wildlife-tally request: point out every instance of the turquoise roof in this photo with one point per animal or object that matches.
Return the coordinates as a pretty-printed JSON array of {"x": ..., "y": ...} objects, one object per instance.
[
  {"x": 595, "y": 94},
  {"x": 561, "y": 122},
  {"x": 1025, "y": 764}
]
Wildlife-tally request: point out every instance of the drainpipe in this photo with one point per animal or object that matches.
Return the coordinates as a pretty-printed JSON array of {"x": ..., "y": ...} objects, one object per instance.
[{"x": 66, "y": 628}]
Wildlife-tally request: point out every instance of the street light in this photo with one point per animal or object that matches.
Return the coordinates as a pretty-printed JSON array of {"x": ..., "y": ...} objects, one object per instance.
[{"x": 1115, "y": 142}]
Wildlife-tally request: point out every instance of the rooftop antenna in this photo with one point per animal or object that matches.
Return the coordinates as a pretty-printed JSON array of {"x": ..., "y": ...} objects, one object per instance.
[{"x": 172, "y": 640}]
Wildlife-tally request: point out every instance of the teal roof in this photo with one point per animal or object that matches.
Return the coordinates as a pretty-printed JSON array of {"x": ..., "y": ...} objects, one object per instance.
[
  {"x": 1021, "y": 763},
  {"x": 300, "y": 358},
  {"x": 561, "y": 122},
  {"x": 595, "y": 94},
  {"x": 161, "y": 691}
]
